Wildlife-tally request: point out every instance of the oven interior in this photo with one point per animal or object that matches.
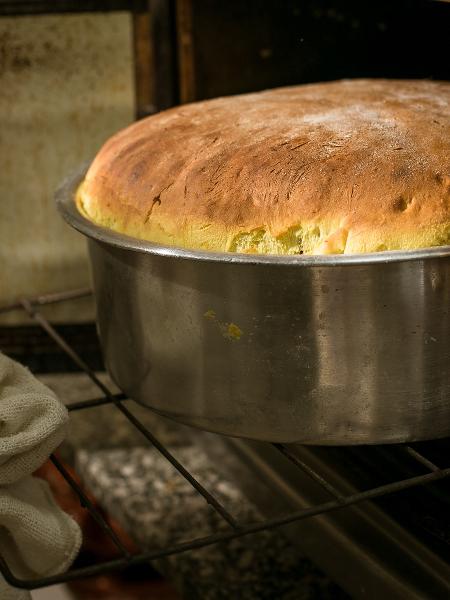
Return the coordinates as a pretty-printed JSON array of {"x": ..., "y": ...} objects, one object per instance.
[{"x": 384, "y": 510}]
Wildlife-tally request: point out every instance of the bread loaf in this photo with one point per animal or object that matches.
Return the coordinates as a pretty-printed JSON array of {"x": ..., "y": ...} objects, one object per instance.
[{"x": 342, "y": 167}]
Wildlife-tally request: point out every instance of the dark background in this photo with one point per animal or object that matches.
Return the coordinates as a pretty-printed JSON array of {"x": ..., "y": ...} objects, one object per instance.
[
  {"x": 241, "y": 46},
  {"x": 187, "y": 50}
]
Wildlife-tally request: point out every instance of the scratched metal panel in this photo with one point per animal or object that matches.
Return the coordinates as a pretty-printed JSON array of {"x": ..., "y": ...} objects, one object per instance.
[{"x": 66, "y": 84}]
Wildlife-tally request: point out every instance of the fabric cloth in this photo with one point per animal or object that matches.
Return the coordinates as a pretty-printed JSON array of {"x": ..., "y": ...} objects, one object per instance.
[
  {"x": 33, "y": 422},
  {"x": 36, "y": 537}
]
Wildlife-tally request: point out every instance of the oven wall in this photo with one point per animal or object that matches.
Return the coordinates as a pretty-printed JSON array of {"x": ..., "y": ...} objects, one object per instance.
[{"x": 66, "y": 84}]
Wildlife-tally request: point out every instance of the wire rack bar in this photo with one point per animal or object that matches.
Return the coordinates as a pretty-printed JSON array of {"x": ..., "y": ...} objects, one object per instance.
[
  {"x": 421, "y": 459},
  {"x": 179, "y": 467},
  {"x": 126, "y": 559},
  {"x": 48, "y": 299},
  {"x": 43, "y": 322},
  {"x": 74, "y": 406},
  {"x": 202, "y": 542},
  {"x": 100, "y": 520},
  {"x": 307, "y": 469},
  {"x": 150, "y": 437}
]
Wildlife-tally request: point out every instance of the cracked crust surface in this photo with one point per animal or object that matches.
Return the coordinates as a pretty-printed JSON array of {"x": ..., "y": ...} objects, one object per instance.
[{"x": 341, "y": 167}]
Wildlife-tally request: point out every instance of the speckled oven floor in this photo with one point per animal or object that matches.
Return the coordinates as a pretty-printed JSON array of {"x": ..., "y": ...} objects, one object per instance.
[{"x": 157, "y": 507}]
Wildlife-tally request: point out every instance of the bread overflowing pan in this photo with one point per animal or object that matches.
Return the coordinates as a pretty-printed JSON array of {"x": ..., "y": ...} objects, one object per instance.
[
  {"x": 346, "y": 349},
  {"x": 304, "y": 344}
]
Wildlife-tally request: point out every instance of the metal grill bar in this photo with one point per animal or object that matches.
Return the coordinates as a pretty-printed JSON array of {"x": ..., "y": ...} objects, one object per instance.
[
  {"x": 179, "y": 467},
  {"x": 150, "y": 437},
  {"x": 84, "y": 500},
  {"x": 307, "y": 469},
  {"x": 320, "y": 509},
  {"x": 39, "y": 318},
  {"x": 74, "y": 406},
  {"x": 126, "y": 559},
  {"x": 421, "y": 459},
  {"x": 48, "y": 299}
]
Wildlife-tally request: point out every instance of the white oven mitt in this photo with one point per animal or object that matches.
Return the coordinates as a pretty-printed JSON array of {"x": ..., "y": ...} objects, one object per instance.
[{"x": 36, "y": 537}]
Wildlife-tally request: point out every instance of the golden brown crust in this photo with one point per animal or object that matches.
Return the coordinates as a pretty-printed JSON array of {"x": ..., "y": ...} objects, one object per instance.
[{"x": 348, "y": 166}]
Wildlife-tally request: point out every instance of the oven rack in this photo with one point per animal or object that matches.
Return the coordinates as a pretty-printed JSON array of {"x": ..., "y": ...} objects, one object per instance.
[{"x": 121, "y": 403}]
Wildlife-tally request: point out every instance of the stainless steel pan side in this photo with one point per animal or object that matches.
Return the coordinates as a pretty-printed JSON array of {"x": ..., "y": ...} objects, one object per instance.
[{"x": 347, "y": 349}]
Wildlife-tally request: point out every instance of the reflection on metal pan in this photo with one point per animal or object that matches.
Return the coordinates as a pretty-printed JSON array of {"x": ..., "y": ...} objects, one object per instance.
[{"x": 277, "y": 348}]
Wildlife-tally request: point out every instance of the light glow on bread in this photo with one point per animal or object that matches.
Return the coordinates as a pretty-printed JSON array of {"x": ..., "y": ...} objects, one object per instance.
[{"x": 342, "y": 167}]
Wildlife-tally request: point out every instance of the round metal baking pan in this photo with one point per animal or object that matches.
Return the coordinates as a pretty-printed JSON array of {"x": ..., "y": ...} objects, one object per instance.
[{"x": 341, "y": 349}]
